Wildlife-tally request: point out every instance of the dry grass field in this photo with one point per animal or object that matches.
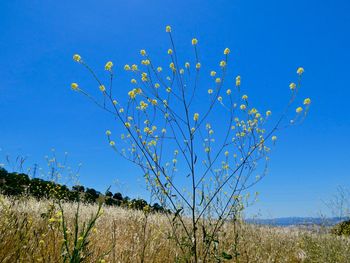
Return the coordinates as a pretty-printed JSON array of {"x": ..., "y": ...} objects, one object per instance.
[{"x": 30, "y": 231}]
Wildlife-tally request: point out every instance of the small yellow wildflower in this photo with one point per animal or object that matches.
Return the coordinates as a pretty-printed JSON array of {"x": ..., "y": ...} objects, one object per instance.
[
  {"x": 77, "y": 57},
  {"x": 307, "y": 101},
  {"x": 228, "y": 92},
  {"x": 112, "y": 143},
  {"x": 210, "y": 91},
  {"x": 74, "y": 86},
  {"x": 109, "y": 65},
  {"x": 168, "y": 29},
  {"x": 300, "y": 71},
  {"x": 274, "y": 138},
  {"x": 195, "y": 117},
  {"x": 268, "y": 113},
  {"x": 159, "y": 69},
  {"x": 217, "y": 80},
  {"x": 198, "y": 65},
  {"x": 134, "y": 67},
  {"x": 133, "y": 81},
  {"x": 244, "y": 97},
  {"x": 222, "y": 63},
  {"x": 243, "y": 107},
  {"x": 227, "y": 51},
  {"x": 220, "y": 99},
  {"x": 168, "y": 89},
  {"x": 102, "y": 88},
  {"x": 212, "y": 73},
  {"x": 170, "y": 51},
  {"x": 187, "y": 65},
  {"x": 127, "y": 67},
  {"x": 194, "y": 41},
  {"x": 108, "y": 132},
  {"x": 292, "y": 86},
  {"x": 127, "y": 124},
  {"x": 143, "y": 52},
  {"x": 226, "y": 153},
  {"x": 299, "y": 109}
]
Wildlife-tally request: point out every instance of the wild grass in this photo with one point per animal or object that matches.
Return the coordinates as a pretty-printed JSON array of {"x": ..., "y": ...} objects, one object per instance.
[{"x": 31, "y": 231}]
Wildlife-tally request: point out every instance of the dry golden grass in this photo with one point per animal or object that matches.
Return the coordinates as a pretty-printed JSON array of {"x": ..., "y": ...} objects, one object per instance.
[{"x": 26, "y": 235}]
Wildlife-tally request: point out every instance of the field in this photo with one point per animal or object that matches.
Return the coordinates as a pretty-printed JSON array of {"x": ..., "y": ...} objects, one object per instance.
[{"x": 30, "y": 231}]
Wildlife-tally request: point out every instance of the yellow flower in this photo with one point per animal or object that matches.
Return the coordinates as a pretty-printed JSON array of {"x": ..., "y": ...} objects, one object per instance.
[
  {"x": 145, "y": 62},
  {"x": 168, "y": 29},
  {"x": 168, "y": 89},
  {"x": 220, "y": 99},
  {"x": 127, "y": 124},
  {"x": 228, "y": 92},
  {"x": 77, "y": 57},
  {"x": 227, "y": 51},
  {"x": 299, "y": 109},
  {"x": 187, "y": 65},
  {"x": 222, "y": 63},
  {"x": 143, "y": 52},
  {"x": 108, "y": 133},
  {"x": 109, "y": 65},
  {"x": 274, "y": 138},
  {"x": 217, "y": 80},
  {"x": 172, "y": 65},
  {"x": 74, "y": 86},
  {"x": 182, "y": 71},
  {"x": 244, "y": 97},
  {"x": 238, "y": 81},
  {"x": 115, "y": 102},
  {"x": 226, "y": 153},
  {"x": 300, "y": 71},
  {"x": 194, "y": 41},
  {"x": 243, "y": 107},
  {"x": 307, "y": 101},
  {"x": 134, "y": 67},
  {"x": 292, "y": 86},
  {"x": 154, "y": 102},
  {"x": 127, "y": 67},
  {"x": 170, "y": 51},
  {"x": 198, "y": 65},
  {"x": 133, "y": 81},
  {"x": 212, "y": 73},
  {"x": 80, "y": 239},
  {"x": 112, "y": 143},
  {"x": 102, "y": 88},
  {"x": 195, "y": 117},
  {"x": 159, "y": 69},
  {"x": 210, "y": 91},
  {"x": 268, "y": 113},
  {"x": 132, "y": 94}
]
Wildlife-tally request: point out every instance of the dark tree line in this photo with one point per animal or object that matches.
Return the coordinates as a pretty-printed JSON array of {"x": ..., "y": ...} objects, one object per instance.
[{"x": 19, "y": 184}]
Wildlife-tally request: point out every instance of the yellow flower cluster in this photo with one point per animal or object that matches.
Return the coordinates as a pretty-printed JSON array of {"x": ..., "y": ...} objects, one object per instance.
[{"x": 238, "y": 81}]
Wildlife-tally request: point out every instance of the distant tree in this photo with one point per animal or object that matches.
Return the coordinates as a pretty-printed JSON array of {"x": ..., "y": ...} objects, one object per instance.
[
  {"x": 118, "y": 196},
  {"x": 109, "y": 194},
  {"x": 91, "y": 195},
  {"x": 78, "y": 188}
]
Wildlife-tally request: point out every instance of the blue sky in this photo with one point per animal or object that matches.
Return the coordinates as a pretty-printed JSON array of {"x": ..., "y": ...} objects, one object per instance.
[{"x": 268, "y": 40}]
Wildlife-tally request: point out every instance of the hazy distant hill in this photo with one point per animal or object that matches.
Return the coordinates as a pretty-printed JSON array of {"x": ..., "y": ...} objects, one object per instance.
[{"x": 291, "y": 221}]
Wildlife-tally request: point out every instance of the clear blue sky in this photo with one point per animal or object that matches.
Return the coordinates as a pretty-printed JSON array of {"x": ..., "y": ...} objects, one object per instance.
[{"x": 268, "y": 40}]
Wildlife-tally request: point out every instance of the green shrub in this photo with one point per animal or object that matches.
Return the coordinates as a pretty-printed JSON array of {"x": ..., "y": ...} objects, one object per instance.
[{"x": 342, "y": 228}]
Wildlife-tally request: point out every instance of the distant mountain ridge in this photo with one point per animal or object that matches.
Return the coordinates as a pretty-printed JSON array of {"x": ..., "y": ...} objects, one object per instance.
[{"x": 297, "y": 221}]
